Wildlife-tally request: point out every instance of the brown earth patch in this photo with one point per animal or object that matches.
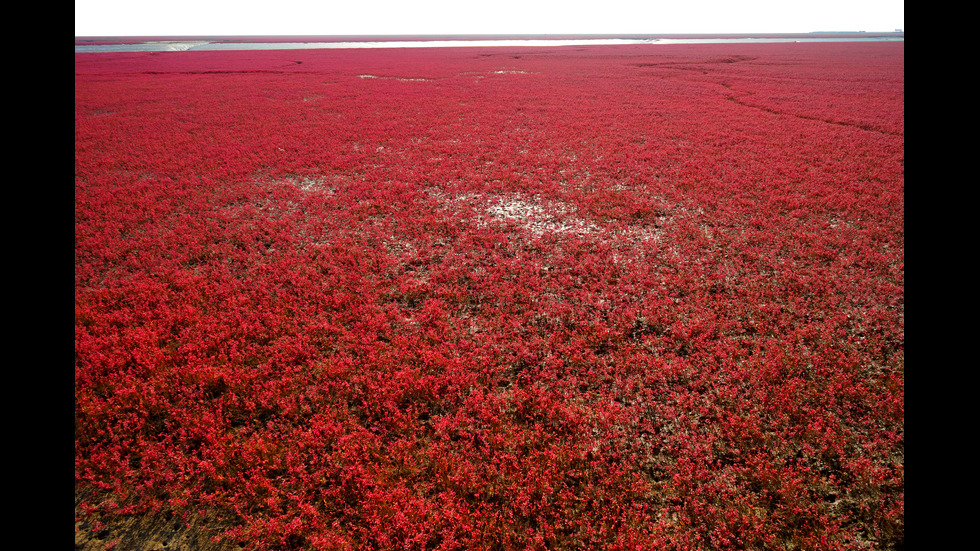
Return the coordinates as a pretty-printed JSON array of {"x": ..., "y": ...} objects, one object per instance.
[{"x": 148, "y": 531}]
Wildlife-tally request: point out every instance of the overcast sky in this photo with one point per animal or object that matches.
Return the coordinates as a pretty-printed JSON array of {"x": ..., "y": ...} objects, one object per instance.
[{"x": 379, "y": 17}]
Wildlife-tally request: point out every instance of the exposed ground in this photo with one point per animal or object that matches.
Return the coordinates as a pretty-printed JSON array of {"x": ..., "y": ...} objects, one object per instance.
[{"x": 150, "y": 531}]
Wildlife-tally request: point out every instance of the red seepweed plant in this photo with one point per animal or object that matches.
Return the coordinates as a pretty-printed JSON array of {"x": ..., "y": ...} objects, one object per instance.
[{"x": 630, "y": 297}]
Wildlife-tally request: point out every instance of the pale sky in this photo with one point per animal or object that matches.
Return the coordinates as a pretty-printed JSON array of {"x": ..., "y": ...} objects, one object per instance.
[{"x": 387, "y": 17}]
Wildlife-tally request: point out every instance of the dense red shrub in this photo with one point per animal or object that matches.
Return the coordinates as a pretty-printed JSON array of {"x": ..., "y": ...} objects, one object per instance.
[{"x": 631, "y": 297}]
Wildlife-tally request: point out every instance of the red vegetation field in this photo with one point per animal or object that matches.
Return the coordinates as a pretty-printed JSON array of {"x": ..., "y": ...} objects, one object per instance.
[{"x": 631, "y": 297}]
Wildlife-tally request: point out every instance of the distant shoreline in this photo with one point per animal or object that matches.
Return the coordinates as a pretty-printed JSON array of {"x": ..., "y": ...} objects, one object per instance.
[{"x": 246, "y": 39}]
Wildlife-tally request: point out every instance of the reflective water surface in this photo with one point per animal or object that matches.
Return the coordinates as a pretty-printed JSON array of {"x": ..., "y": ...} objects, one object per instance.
[{"x": 203, "y": 45}]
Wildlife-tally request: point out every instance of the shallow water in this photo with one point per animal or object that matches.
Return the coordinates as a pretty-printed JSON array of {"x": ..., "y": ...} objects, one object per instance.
[{"x": 182, "y": 46}]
